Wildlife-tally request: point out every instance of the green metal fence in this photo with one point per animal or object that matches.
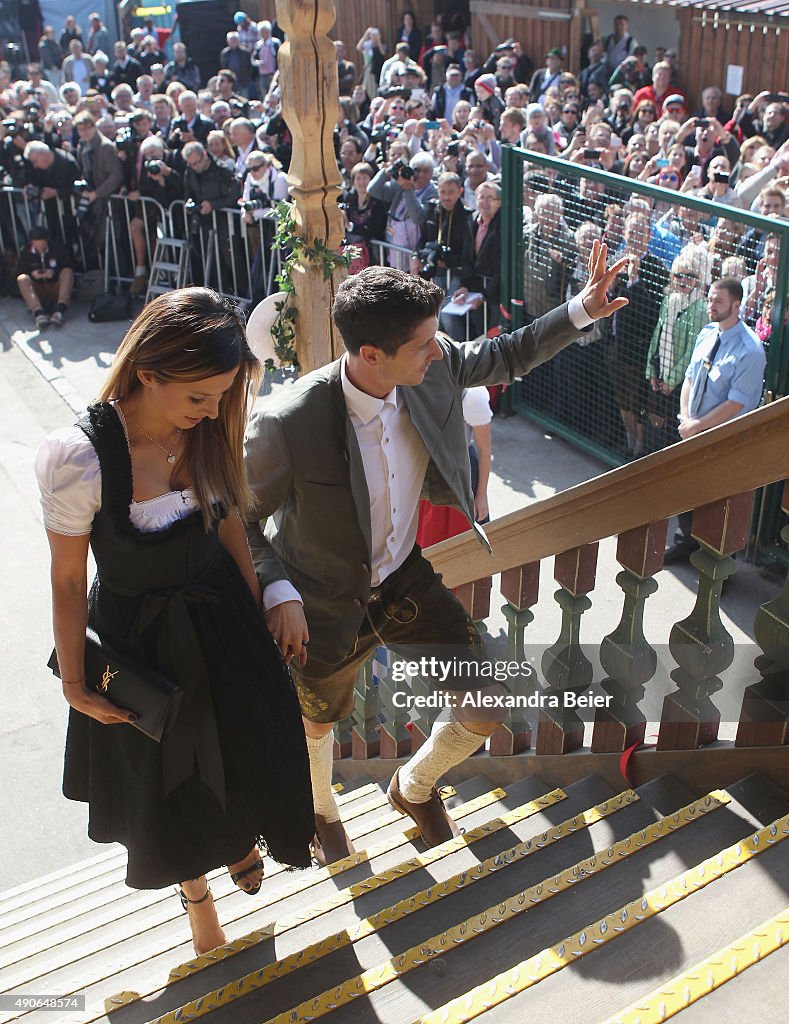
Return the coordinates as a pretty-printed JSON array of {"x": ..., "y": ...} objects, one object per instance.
[{"x": 615, "y": 393}]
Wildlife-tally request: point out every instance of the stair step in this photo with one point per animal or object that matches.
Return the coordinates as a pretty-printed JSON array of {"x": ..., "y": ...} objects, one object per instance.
[
  {"x": 142, "y": 977},
  {"x": 172, "y": 268},
  {"x": 158, "y": 932},
  {"x": 98, "y": 881},
  {"x": 710, "y": 986},
  {"x": 379, "y": 967},
  {"x": 689, "y": 929},
  {"x": 45, "y": 931}
]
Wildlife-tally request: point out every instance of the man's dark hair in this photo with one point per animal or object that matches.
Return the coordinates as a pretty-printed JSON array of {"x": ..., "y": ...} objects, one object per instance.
[
  {"x": 382, "y": 307},
  {"x": 730, "y": 285},
  {"x": 228, "y": 74}
]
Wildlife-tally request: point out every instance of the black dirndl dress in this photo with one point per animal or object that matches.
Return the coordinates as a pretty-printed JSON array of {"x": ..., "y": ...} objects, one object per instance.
[{"x": 234, "y": 769}]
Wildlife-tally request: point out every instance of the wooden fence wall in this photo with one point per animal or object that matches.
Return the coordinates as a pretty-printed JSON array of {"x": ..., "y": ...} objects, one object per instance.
[
  {"x": 706, "y": 50},
  {"x": 539, "y": 26}
]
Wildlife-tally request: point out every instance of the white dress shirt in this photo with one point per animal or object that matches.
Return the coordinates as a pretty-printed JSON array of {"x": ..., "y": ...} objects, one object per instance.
[{"x": 395, "y": 462}]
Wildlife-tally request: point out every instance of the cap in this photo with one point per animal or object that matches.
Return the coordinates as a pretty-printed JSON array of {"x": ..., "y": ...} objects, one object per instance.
[
  {"x": 238, "y": 17},
  {"x": 486, "y": 82},
  {"x": 39, "y": 233},
  {"x": 675, "y": 97},
  {"x": 555, "y": 52}
]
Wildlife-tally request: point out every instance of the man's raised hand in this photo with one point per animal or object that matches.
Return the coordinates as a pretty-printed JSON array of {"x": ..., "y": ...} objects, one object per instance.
[{"x": 595, "y": 293}]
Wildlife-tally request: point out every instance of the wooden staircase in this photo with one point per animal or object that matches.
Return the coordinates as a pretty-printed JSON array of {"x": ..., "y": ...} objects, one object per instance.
[{"x": 579, "y": 903}]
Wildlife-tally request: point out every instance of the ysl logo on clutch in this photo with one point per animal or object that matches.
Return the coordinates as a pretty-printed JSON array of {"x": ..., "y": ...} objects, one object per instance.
[{"x": 106, "y": 679}]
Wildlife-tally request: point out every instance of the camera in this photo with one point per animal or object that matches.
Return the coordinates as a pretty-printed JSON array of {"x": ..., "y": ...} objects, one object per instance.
[
  {"x": 33, "y": 111},
  {"x": 257, "y": 201},
  {"x": 125, "y": 139},
  {"x": 430, "y": 255},
  {"x": 80, "y": 189},
  {"x": 180, "y": 124},
  {"x": 453, "y": 148},
  {"x": 380, "y": 132},
  {"x": 702, "y": 123},
  {"x": 592, "y": 154},
  {"x": 400, "y": 169},
  {"x": 720, "y": 178},
  {"x": 153, "y": 166}
]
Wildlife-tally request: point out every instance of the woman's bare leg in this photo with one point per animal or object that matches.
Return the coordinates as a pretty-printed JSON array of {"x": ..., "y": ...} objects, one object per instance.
[{"x": 206, "y": 931}]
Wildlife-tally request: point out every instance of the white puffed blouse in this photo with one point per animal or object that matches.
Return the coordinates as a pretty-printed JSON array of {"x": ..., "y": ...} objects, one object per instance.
[{"x": 69, "y": 480}]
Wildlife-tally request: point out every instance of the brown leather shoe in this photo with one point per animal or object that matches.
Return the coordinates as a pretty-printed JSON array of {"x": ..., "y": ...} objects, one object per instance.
[
  {"x": 430, "y": 817},
  {"x": 331, "y": 842}
]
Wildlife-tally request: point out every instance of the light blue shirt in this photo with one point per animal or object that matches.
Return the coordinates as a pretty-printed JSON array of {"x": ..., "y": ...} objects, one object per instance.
[{"x": 737, "y": 374}]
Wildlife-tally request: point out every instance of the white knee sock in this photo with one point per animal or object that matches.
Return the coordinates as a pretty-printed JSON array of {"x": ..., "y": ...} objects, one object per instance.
[
  {"x": 321, "y": 764},
  {"x": 449, "y": 744}
]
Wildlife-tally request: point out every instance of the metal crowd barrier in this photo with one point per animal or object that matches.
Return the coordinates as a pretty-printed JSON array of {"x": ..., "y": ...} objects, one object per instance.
[
  {"x": 22, "y": 209},
  {"x": 121, "y": 258},
  {"x": 237, "y": 259}
]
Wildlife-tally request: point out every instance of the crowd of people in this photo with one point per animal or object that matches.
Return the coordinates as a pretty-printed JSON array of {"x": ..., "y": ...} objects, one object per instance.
[{"x": 423, "y": 118}]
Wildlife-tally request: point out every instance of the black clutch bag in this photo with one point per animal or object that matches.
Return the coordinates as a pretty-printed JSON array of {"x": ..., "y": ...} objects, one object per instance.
[{"x": 152, "y": 697}]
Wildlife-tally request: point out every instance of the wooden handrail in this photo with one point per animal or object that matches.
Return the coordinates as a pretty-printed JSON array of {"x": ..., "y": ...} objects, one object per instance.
[{"x": 741, "y": 455}]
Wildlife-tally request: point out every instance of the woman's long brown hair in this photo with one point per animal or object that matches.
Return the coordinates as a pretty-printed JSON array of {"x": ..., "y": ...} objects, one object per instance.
[{"x": 189, "y": 335}]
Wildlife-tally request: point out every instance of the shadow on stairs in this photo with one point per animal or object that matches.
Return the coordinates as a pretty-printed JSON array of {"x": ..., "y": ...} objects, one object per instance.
[{"x": 577, "y": 904}]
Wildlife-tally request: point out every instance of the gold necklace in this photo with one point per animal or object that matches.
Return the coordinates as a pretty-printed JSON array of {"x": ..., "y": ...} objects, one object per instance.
[{"x": 170, "y": 454}]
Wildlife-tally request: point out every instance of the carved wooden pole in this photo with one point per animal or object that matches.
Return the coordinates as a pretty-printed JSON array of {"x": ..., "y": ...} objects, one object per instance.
[{"x": 310, "y": 102}]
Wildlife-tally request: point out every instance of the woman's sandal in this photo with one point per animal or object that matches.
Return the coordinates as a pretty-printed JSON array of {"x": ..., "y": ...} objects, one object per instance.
[
  {"x": 185, "y": 901},
  {"x": 259, "y": 865}
]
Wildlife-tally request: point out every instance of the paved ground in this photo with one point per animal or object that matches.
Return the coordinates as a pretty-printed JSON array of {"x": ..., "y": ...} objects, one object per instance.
[{"x": 44, "y": 380}]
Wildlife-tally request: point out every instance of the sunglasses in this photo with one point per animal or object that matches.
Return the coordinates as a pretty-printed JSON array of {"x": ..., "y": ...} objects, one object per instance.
[
  {"x": 686, "y": 277},
  {"x": 569, "y": 110},
  {"x": 255, "y": 167}
]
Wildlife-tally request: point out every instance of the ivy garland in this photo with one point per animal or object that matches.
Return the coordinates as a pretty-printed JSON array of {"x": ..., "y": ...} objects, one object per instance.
[{"x": 283, "y": 330}]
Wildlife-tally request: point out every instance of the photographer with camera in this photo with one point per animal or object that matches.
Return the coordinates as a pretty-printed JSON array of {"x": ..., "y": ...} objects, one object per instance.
[
  {"x": 128, "y": 142},
  {"x": 45, "y": 278},
  {"x": 209, "y": 187},
  {"x": 158, "y": 180},
  {"x": 445, "y": 251},
  {"x": 406, "y": 189},
  {"x": 51, "y": 176},
  {"x": 189, "y": 126},
  {"x": 12, "y": 149},
  {"x": 103, "y": 172},
  {"x": 264, "y": 186},
  {"x": 718, "y": 188}
]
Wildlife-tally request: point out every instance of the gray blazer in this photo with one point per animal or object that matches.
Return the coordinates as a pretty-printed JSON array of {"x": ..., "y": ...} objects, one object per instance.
[{"x": 305, "y": 469}]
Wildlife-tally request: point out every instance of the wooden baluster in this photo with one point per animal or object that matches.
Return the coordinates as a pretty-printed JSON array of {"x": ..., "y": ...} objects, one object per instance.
[
  {"x": 764, "y": 720},
  {"x": 423, "y": 723},
  {"x": 564, "y": 665},
  {"x": 521, "y": 588},
  {"x": 365, "y": 742},
  {"x": 700, "y": 644},
  {"x": 475, "y": 598},
  {"x": 343, "y": 736},
  {"x": 625, "y": 655},
  {"x": 395, "y": 737}
]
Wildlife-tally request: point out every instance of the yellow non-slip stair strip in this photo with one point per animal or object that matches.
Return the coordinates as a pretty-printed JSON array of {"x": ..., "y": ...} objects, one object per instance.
[
  {"x": 396, "y": 967},
  {"x": 345, "y": 896},
  {"x": 553, "y": 959},
  {"x": 410, "y": 905},
  {"x": 705, "y": 977},
  {"x": 24, "y": 902},
  {"x": 71, "y": 925},
  {"x": 98, "y": 969}
]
